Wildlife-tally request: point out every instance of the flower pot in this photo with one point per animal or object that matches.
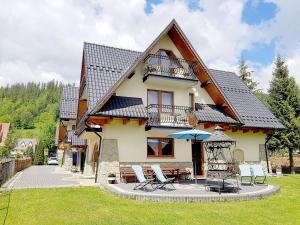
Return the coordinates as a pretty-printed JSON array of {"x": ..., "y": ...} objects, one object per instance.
[{"x": 111, "y": 180}]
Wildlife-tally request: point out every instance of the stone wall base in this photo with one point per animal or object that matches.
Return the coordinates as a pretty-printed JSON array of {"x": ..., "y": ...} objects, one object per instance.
[{"x": 106, "y": 168}]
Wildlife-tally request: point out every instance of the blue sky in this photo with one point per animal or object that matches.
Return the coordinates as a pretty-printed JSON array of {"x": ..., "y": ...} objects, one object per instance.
[{"x": 254, "y": 13}]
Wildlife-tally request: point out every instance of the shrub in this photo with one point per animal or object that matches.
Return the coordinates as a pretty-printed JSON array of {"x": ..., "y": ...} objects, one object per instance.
[
  {"x": 29, "y": 152},
  {"x": 39, "y": 156}
]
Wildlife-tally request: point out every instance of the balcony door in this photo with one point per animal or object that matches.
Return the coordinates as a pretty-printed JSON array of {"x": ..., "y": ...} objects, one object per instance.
[{"x": 160, "y": 104}]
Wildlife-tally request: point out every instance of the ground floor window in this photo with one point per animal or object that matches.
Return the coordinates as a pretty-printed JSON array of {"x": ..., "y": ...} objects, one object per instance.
[{"x": 160, "y": 147}]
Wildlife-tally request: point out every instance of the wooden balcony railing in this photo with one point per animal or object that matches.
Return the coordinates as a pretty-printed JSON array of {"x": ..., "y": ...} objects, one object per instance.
[
  {"x": 169, "y": 67},
  {"x": 169, "y": 115}
]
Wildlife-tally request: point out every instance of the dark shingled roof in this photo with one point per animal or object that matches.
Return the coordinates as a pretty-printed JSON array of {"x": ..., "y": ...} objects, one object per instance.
[
  {"x": 120, "y": 106},
  {"x": 74, "y": 140},
  {"x": 69, "y": 102},
  {"x": 251, "y": 110},
  {"x": 104, "y": 66},
  {"x": 213, "y": 114}
]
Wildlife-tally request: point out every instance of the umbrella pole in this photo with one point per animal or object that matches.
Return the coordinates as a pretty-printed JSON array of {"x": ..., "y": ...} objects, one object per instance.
[{"x": 195, "y": 161}]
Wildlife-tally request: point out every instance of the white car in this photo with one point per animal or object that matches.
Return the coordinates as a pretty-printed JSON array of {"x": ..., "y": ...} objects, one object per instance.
[{"x": 52, "y": 161}]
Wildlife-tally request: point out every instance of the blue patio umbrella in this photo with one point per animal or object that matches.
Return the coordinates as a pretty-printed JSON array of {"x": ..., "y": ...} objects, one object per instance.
[{"x": 193, "y": 134}]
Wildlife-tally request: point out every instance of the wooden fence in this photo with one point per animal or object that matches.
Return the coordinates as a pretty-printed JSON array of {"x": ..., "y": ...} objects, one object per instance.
[
  {"x": 9, "y": 167},
  {"x": 21, "y": 164}
]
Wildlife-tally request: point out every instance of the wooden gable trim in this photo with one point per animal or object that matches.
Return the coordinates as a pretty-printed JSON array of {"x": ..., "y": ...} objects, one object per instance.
[
  {"x": 61, "y": 133},
  {"x": 203, "y": 75},
  {"x": 82, "y": 105}
]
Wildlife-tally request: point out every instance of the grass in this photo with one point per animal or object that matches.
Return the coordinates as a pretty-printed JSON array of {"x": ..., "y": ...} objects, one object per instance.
[
  {"x": 88, "y": 205},
  {"x": 27, "y": 133}
]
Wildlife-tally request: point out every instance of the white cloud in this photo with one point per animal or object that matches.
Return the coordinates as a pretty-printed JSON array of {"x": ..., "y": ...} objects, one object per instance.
[
  {"x": 293, "y": 62},
  {"x": 13, "y": 71},
  {"x": 285, "y": 28},
  {"x": 44, "y": 39}
]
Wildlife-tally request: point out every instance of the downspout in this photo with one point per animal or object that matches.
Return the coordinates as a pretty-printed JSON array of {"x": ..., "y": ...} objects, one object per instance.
[
  {"x": 268, "y": 138},
  {"x": 99, "y": 148}
]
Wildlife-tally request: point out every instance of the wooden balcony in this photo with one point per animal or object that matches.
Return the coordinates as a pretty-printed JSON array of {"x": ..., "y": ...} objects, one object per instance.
[
  {"x": 169, "y": 116},
  {"x": 170, "y": 69}
]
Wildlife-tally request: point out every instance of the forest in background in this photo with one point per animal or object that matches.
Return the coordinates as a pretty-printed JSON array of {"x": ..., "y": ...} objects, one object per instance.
[{"x": 32, "y": 109}]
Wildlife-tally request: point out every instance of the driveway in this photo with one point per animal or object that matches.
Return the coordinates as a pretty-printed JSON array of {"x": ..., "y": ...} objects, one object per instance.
[{"x": 47, "y": 176}]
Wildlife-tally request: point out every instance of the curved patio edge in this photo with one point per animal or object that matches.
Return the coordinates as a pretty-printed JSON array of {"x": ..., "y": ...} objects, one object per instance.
[{"x": 268, "y": 191}]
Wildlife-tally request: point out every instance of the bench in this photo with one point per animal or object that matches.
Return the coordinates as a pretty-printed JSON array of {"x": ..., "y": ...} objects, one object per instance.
[{"x": 127, "y": 173}]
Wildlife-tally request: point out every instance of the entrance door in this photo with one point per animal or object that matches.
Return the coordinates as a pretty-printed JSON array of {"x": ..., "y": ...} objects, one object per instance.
[
  {"x": 74, "y": 159},
  {"x": 82, "y": 160},
  {"x": 198, "y": 158}
]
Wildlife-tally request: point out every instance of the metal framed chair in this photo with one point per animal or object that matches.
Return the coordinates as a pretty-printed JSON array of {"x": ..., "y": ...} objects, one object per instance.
[
  {"x": 140, "y": 177},
  {"x": 245, "y": 172},
  {"x": 258, "y": 172},
  {"x": 162, "y": 179}
]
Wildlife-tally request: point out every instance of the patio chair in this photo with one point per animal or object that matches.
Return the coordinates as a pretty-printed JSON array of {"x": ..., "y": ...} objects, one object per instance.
[
  {"x": 162, "y": 179},
  {"x": 140, "y": 177},
  {"x": 258, "y": 172},
  {"x": 245, "y": 172}
]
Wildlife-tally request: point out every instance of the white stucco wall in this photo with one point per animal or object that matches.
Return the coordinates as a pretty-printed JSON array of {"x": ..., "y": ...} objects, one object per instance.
[{"x": 132, "y": 143}]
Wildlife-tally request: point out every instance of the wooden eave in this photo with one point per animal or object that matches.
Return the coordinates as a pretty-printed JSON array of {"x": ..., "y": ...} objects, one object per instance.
[{"x": 103, "y": 120}]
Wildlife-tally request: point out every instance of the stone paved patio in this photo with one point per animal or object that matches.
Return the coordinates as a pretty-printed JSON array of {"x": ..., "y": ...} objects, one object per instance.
[{"x": 190, "y": 191}]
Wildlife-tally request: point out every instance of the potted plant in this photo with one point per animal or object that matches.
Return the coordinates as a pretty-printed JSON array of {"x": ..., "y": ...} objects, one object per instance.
[
  {"x": 74, "y": 169},
  {"x": 279, "y": 171},
  {"x": 111, "y": 178}
]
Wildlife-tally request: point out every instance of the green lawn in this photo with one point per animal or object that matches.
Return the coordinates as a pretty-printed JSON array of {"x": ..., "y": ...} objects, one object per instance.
[{"x": 95, "y": 206}]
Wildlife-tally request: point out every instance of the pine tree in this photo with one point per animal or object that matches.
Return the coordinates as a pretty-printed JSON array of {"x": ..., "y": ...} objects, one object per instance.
[
  {"x": 39, "y": 156},
  {"x": 246, "y": 76},
  {"x": 284, "y": 101}
]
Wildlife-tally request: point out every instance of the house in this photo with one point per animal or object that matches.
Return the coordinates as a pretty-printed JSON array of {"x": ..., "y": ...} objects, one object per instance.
[
  {"x": 23, "y": 144},
  {"x": 71, "y": 147},
  {"x": 4, "y": 129},
  {"x": 129, "y": 102}
]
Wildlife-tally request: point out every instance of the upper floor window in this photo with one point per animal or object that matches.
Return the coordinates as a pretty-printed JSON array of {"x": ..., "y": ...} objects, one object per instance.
[
  {"x": 163, "y": 99},
  {"x": 73, "y": 127}
]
